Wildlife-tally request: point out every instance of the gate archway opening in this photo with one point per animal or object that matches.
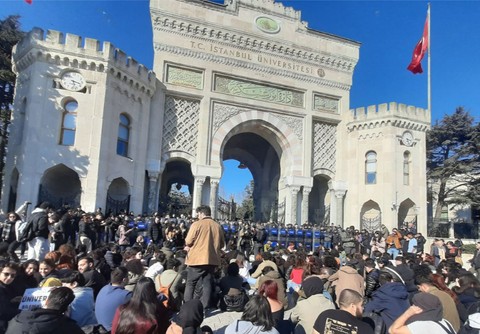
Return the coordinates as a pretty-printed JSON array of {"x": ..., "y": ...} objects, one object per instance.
[
  {"x": 407, "y": 215},
  {"x": 258, "y": 154},
  {"x": 118, "y": 196},
  {"x": 234, "y": 195},
  {"x": 371, "y": 216},
  {"x": 60, "y": 186},
  {"x": 319, "y": 202},
  {"x": 176, "y": 188}
]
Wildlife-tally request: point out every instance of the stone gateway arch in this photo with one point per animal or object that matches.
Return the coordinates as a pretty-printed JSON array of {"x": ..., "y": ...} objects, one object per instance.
[{"x": 245, "y": 80}]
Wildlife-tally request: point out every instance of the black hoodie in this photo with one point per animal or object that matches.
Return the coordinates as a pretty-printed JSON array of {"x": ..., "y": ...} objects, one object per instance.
[{"x": 42, "y": 321}]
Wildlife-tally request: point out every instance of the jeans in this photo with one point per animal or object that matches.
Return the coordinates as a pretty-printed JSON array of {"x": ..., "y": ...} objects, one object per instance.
[
  {"x": 199, "y": 277},
  {"x": 393, "y": 252}
]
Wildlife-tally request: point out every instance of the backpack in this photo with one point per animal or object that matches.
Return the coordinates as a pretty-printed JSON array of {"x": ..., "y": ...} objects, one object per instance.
[
  {"x": 28, "y": 232},
  {"x": 167, "y": 298},
  {"x": 235, "y": 300}
]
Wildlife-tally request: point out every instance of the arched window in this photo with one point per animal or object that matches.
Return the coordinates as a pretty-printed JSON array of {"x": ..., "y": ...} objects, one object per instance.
[
  {"x": 406, "y": 168},
  {"x": 69, "y": 123},
  {"x": 371, "y": 168},
  {"x": 123, "y": 136}
]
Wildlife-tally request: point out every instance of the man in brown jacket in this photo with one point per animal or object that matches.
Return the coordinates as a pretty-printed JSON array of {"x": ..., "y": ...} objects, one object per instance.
[{"x": 204, "y": 242}]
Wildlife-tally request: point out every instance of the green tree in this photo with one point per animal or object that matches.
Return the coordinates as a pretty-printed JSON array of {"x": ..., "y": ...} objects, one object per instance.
[
  {"x": 10, "y": 34},
  {"x": 452, "y": 159},
  {"x": 246, "y": 210}
]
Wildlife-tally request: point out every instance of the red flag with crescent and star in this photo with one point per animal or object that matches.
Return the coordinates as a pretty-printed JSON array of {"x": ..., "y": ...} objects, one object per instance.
[{"x": 419, "y": 51}]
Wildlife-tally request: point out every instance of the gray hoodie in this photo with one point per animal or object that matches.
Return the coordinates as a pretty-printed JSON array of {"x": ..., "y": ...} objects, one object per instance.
[{"x": 246, "y": 327}]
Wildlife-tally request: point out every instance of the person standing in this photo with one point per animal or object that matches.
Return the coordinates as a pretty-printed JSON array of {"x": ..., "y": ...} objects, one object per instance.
[
  {"x": 36, "y": 232},
  {"x": 204, "y": 242}
]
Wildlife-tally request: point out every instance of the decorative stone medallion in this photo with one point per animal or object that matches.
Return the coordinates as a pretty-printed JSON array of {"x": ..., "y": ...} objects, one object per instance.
[{"x": 267, "y": 24}]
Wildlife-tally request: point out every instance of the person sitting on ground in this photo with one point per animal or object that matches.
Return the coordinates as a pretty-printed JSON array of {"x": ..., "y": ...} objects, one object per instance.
[
  {"x": 348, "y": 319},
  {"x": 269, "y": 273},
  {"x": 266, "y": 262},
  {"x": 307, "y": 310},
  {"x": 347, "y": 277},
  {"x": 93, "y": 278},
  {"x": 8, "y": 309},
  {"x": 269, "y": 289},
  {"x": 425, "y": 315},
  {"x": 189, "y": 319},
  {"x": 173, "y": 280},
  {"x": 256, "y": 318},
  {"x": 82, "y": 309},
  {"x": 135, "y": 273},
  {"x": 390, "y": 300},
  {"x": 450, "y": 313},
  {"x": 143, "y": 313},
  {"x": 47, "y": 320},
  {"x": 111, "y": 296}
]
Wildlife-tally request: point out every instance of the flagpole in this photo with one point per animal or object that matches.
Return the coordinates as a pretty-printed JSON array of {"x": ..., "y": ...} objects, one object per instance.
[{"x": 429, "y": 84}]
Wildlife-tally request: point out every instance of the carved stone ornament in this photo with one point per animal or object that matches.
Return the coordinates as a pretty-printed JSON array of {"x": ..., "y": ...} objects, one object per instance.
[
  {"x": 324, "y": 103},
  {"x": 324, "y": 146},
  {"x": 295, "y": 123},
  {"x": 180, "y": 126},
  {"x": 184, "y": 77}
]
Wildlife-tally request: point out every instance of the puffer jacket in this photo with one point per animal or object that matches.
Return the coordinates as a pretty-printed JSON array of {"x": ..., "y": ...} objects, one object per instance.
[
  {"x": 42, "y": 321},
  {"x": 390, "y": 300},
  {"x": 371, "y": 282}
]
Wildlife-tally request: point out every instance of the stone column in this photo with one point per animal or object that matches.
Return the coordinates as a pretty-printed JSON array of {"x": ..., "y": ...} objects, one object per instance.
[
  {"x": 337, "y": 189},
  {"x": 152, "y": 191},
  {"x": 214, "y": 196},
  {"x": 339, "y": 196},
  {"x": 305, "y": 195},
  {"x": 197, "y": 194},
  {"x": 293, "y": 202}
]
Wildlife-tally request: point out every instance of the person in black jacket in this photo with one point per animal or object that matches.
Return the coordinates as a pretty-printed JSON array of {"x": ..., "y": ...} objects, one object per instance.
[
  {"x": 36, "y": 232},
  {"x": 371, "y": 278},
  {"x": 155, "y": 231},
  {"x": 48, "y": 320},
  {"x": 8, "y": 309}
]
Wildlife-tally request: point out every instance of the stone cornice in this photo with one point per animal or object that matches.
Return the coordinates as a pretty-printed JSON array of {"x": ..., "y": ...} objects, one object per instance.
[
  {"x": 232, "y": 38},
  {"x": 247, "y": 65}
]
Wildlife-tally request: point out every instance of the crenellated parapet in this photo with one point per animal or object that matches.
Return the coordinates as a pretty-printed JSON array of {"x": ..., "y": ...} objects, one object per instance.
[
  {"x": 389, "y": 114},
  {"x": 269, "y": 5},
  {"x": 83, "y": 53}
]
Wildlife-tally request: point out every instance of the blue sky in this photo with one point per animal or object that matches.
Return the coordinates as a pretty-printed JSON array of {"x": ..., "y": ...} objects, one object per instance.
[{"x": 388, "y": 31}]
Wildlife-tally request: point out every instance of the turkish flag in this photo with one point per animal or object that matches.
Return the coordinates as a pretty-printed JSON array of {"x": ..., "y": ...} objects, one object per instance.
[
  {"x": 419, "y": 51},
  {"x": 28, "y": 1}
]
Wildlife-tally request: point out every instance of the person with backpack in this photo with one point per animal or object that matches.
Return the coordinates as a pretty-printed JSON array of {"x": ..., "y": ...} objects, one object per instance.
[
  {"x": 12, "y": 229},
  {"x": 36, "y": 232}
]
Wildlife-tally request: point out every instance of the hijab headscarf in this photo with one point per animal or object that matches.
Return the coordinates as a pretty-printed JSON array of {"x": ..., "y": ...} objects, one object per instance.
[
  {"x": 190, "y": 317},
  {"x": 431, "y": 306},
  {"x": 312, "y": 286}
]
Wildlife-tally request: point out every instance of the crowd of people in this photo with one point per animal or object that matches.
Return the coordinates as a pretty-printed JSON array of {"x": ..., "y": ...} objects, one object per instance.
[{"x": 127, "y": 274}]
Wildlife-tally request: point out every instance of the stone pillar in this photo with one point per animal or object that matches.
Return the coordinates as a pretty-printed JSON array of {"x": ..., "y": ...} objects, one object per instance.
[
  {"x": 152, "y": 191},
  {"x": 338, "y": 189},
  {"x": 293, "y": 204},
  {"x": 197, "y": 193},
  {"x": 214, "y": 196},
  {"x": 305, "y": 195},
  {"x": 339, "y": 196}
]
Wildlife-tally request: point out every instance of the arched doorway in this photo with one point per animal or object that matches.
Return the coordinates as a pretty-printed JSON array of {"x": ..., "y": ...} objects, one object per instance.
[
  {"x": 319, "y": 202},
  {"x": 60, "y": 186},
  {"x": 371, "y": 216},
  {"x": 255, "y": 152},
  {"x": 176, "y": 188},
  {"x": 407, "y": 215},
  {"x": 118, "y": 196}
]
